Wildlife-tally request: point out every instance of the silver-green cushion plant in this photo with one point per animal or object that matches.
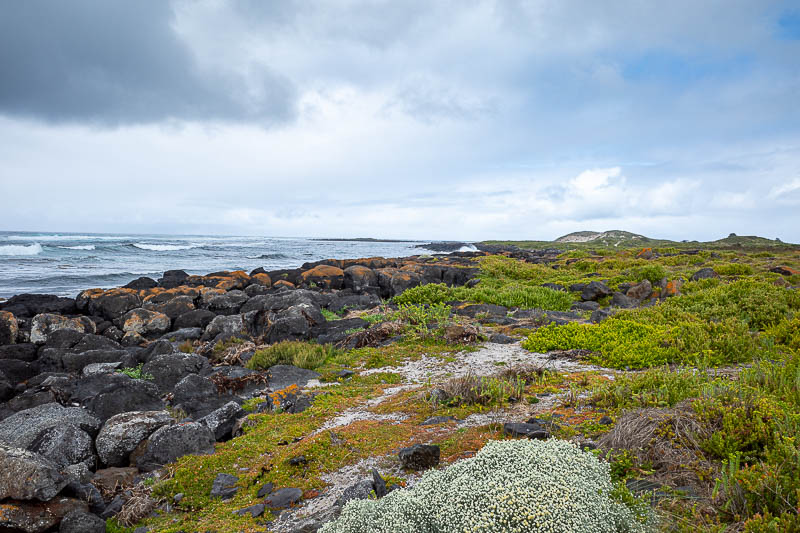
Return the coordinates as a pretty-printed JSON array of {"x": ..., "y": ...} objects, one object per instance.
[{"x": 509, "y": 486}]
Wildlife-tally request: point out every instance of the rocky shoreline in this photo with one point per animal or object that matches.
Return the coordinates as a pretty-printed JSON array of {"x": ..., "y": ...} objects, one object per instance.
[{"x": 75, "y": 422}]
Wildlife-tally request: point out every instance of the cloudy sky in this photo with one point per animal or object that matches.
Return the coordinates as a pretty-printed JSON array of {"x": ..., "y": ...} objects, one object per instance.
[{"x": 424, "y": 119}]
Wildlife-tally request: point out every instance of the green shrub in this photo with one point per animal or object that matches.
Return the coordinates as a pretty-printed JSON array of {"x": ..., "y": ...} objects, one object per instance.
[
  {"x": 329, "y": 315},
  {"x": 508, "y": 486},
  {"x": 656, "y": 387},
  {"x": 431, "y": 293},
  {"x": 136, "y": 372},
  {"x": 303, "y": 354},
  {"x": 420, "y": 318},
  {"x": 652, "y": 272},
  {"x": 733, "y": 269}
]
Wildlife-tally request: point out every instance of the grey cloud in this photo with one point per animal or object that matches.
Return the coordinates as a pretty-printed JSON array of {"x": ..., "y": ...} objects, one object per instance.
[{"x": 115, "y": 62}]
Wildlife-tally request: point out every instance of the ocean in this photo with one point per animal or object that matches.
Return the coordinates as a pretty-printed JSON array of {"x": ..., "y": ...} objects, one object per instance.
[{"x": 67, "y": 263}]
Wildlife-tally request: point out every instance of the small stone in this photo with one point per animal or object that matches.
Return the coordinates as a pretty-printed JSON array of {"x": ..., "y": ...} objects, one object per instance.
[
  {"x": 605, "y": 420},
  {"x": 420, "y": 456},
  {"x": 224, "y": 486},
  {"x": 523, "y": 429},
  {"x": 379, "y": 484},
  {"x": 178, "y": 497},
  {"x": 265, "y": 490},
  {"x": 283, "y": 498},
  {"x": 358, "y": 491},
  {"x": 253, "y": 510},
  {"x": 346, "y": 373},
  {"x": 80, "y": 521},
  {"x": 438, "y": 420},
  {"x": 299, "y": 460}
]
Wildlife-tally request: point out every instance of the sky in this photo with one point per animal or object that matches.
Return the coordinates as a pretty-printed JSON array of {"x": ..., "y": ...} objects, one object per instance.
[{"x": 419, "y": 119}]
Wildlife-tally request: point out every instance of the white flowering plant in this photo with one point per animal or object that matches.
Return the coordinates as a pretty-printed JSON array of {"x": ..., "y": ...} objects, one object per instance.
[{"x": 514, "y": 486}]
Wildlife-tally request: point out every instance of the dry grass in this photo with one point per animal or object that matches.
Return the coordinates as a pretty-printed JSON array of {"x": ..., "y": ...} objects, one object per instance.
[
  {"x": 137, "y": 508},
  {"x": 373, "y": 336},
  {"x": 669, "y": 440}
]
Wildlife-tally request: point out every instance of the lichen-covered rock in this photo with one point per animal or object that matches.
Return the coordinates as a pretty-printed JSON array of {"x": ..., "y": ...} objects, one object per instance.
[
  {"x": 44, "y": 324},
  {"x": 704, "y": 273},
  {"x": 22, "y": 428},
  {"x": 199, "y": 318},
  {"x": 80, "y": 521},
  {"x": 145, "y": 322},
  {"x": 222, "y": 420},
  {"x": 360, "y": 278},
  {"x": 30, "y": 305},
  {"x": 283, "y": 498},
  {"x": 110, "y": 304},
  {"x": 27, "y": 475},
  {"x": 124, "y": 395},
  {"x": 122, "y": 433},
  {"x": 38, "y": 517},
  {"x": 224, "y": 486},
  {"x": 168, "y": 443},
  {"x": 168, "y": 369},
  {"x": 227, "y": 325},
  {"x": 64, "y": 445},
  {"x": 595, "y": 290},
  {"x": 173, "y": 308},
  {"x": 640, "y": 291},
  {"x": 329, "y": 277},
  {"x": 8, "y": 328}
]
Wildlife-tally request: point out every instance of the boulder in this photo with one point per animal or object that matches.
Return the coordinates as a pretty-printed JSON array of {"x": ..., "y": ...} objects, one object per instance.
[
  {"x": 8, "y": 328},
  {"x": 80, "y": 521},
  {"x": 30, "y": 305},
  {"x": 106, "y": 395},
  {"x": 145, "y": 322},
  {"x": 357, "y": 491},
  {"x": 228, "y": 303},
  {"x": 293, "y": 324},
  {"x": 704, "y": 273},
  {"x": 623, "y": 301},
  {"x": 64, "y": 445},
  {"x": 672, "y": 288},
  {"x": 172, "y": 279},
  {"x": 173, "y": 308},
  {"x": 111, "y": 304},
  {"x": 132, "y": 339},
  {"x": 784, "y": 270},
  {"x": 168, "y": 369},
  {"x": 26, "y": 475},
  {"x": 197, "y": 396},
  {"x": 253, "y": 510},
  {"x": 46, "y": 323},
  {"x": 37, "y": 517},
  {"x": 419, "y": 456},
  {"x": 325, "y": 276},
  {"x": 641, "y": 291},
  {"x": 360, "y": 278},
  {"x": 75, "y": 362},
  {"x": 584, "y": 306},
  {"x": 18, "y": 371},
  {"x": 594, "y": 290},
  {"x": 168, "y": 443},
  {"x": 21, "y": 429},
  {"x": 402, "y": 280},
  {"x": 141, "y": 284},
  {"x": 224, "y": 325},
  {"x": 22, "y": 352},
  {"x": 109, "y": 480},
  {"x": 122, "y": 433},
  {"x": 222, "y": 420},
  {"x": 199, "y": 318}
]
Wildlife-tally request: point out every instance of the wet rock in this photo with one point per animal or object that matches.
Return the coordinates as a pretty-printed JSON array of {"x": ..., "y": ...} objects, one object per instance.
[
  {"x": 80, "y": 521},
  {"x": 64, "y": 445},
  {"x": 145, "y": 322},
  {"x": 705, "y": 273},
  {"x": 222, "y": 420},
  {"x": 281, "y": 376},
  {"x": 253, "y": 510},
  {"x": 168, "y": 443},
  {"x": 199, "y": 318},
  {"x": 122, "y": 433},
  {"x": 524, "y": 429},
  {"x": 9, "y": 328},
  {"x": 44, "y": 324},
  {"x": 283, "y": 498},
  {"x": 36, "y": 517},
  {"x": 594, "y": 290},
  {"x": 26, "y": 475},
  {"x": 358, "y": 491},
  {"x": 168, "y": 369},
  {"x": 419, "y": 456},
  {"x": 22, "y": 428}
]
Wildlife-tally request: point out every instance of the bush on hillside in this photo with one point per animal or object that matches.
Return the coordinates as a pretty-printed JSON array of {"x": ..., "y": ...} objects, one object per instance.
[{"x": 509, "y": 486}]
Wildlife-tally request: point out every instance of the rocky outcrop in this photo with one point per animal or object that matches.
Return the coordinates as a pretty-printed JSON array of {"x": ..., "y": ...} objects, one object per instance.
[{"x": 168, "y": 443}]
